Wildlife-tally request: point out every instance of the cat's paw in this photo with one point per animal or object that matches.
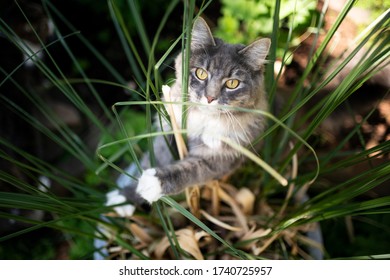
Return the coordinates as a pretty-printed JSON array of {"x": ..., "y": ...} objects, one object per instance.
[
  {"x": 149, "y": 186},
  {"x": 113, "y": 198}
]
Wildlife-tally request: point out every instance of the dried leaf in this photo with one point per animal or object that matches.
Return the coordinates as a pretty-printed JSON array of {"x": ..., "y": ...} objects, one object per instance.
[
  {"x": 215, "y": 202},
  {"x": 188, "y": 240},
  {"x": 193, "y": 200},
  {"x": 267, "y": 243},
  {"x": 140, "y": 233},
  {"x": 181, "y": 146},
  {"x": 246, "y": 199},
  {"x": 218, "y": 222},
  {"x": 189, "y": 243},
  {"x": 252, "y": 234},
  {"x": 236, "y": 209},
  {"x": 161, "y": 247}
]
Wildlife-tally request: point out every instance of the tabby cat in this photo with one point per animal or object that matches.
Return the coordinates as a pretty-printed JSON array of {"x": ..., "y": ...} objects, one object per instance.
[{"x": 222, "y": 77}]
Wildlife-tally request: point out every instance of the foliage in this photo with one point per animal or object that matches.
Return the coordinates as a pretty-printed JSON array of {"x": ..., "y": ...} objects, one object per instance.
[
  {"x": 376, "y": 7},
  {"x": 243, "y": 21}
]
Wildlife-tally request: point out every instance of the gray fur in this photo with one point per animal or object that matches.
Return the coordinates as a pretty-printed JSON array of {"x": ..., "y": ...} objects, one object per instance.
[{"x": 209, "y": 158}]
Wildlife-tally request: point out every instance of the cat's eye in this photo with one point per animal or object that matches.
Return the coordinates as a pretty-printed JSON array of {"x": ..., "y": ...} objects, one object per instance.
[
  {"x": 201, "y": 74},
  {"x": 232, "y": 83}
]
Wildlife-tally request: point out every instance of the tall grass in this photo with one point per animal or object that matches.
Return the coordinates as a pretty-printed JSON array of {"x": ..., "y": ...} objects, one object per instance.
[{"x": 281, "y": 216}]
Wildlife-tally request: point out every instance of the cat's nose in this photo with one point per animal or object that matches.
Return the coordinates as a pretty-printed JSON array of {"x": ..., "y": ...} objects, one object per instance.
[{"x": 210, "y": 99}]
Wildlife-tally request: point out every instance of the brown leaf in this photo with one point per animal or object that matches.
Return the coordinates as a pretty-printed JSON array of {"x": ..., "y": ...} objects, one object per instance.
[
  {"x": 188, "y": 240},
  {"x": 219, "y": 222},
  {"x": 254, "y": 234},
  {"x": 193, "y": 200},
  {"x": 246, "y": 200},
  {"x": 140, "y": 233}
]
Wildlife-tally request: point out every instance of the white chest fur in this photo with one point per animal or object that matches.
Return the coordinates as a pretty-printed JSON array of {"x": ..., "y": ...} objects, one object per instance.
[
  {"x": 207, "y": 127},
  {"x": 211, "y": 127}
]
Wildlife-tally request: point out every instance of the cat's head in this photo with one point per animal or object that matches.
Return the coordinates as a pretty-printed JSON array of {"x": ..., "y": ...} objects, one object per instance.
[{"x": 225, "y": 74}]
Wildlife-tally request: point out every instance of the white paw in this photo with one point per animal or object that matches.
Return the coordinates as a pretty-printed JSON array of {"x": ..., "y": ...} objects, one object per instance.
[
  {"x": 114, "y": 197},
  {"x": 149, "y": 186}
]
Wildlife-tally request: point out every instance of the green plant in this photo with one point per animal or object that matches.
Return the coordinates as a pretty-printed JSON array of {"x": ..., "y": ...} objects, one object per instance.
[
  {"x": 220, "y": 227},
  {"x": 243, "y": 21}
]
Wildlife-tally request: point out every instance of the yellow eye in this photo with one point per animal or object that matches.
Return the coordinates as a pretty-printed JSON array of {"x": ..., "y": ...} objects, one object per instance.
[
  {"x": 232, "y": 84},
  {"x": 201, "y": 74}
]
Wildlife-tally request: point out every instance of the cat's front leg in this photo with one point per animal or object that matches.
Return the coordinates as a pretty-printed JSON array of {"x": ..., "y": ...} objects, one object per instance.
[{"x": 173, "y": 178}]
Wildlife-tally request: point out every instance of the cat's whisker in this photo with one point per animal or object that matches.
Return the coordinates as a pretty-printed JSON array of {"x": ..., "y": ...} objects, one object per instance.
[
  {"x": 244, "y": 133},
  {"x": 232, "y": 125}
]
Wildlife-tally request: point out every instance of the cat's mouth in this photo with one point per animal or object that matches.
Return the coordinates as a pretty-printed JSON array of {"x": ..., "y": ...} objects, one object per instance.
[
  {"x": 212, "y": 108},
  {"x": 211, "y": 105}
]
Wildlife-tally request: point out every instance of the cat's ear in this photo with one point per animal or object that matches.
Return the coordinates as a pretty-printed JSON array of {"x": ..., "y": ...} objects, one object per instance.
[
  {"x": 201, "y": 35},
  {"x": 256, "y": 52}
]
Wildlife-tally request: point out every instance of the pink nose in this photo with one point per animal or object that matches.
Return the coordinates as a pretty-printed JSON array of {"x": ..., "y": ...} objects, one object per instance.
[{"x": 210, "y": 99}]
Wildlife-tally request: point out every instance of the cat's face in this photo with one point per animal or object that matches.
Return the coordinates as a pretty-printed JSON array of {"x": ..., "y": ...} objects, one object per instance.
[{"x": 225, "y": 74}]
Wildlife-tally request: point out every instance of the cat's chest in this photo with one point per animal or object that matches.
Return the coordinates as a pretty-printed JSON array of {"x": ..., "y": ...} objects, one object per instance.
[{"x": 211, "y": 129}]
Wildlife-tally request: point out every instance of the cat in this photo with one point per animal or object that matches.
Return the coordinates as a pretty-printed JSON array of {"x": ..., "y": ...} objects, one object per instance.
[{"x": 222, "y": 77}]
